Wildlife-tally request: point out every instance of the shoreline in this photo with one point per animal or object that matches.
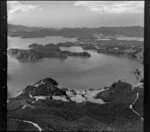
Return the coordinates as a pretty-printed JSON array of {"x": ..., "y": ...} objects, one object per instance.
[
  {"x": 82, "y": 90},
  {"x": 84, "y": 50}
]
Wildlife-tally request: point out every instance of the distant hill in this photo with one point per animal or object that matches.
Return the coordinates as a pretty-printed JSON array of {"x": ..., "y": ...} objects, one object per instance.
[
  {"x": 14, "y": 28},
  {"x": 31, "y": 32}
]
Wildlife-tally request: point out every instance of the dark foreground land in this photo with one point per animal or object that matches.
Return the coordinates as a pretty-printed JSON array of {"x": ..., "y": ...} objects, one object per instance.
[{"x": 38, "y": 109}]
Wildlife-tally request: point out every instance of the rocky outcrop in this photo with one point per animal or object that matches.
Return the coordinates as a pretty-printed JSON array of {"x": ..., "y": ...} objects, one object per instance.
[{"x": 46, "y": 107}]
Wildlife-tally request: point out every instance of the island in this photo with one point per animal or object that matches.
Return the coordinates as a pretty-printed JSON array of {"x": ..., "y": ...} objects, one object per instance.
[
  {"x": 45, "y": 106},
  {"x": 37, "y": 52},
  {"x": 118, "y": 41},
  {"x": 121, "y": 48}
]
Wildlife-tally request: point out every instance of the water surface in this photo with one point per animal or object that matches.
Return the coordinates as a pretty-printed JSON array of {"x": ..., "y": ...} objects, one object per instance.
[
  {"x": 75, "y": 72},
  {"x": 121, "y": 37},
  {"x": 23, "y": 43}
]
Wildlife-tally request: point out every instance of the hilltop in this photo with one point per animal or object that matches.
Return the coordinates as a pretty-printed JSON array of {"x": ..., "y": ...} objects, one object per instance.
[{"x": 44, "y": 106}]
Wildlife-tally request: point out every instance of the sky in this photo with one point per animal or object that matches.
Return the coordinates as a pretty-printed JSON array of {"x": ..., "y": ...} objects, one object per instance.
[{"x": 58, "y": 14}]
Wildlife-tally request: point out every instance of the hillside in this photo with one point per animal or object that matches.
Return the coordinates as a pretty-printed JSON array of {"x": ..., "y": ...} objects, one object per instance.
[
  {"x": 44, "y": 106},
  {"x": 33, "y": 32}
]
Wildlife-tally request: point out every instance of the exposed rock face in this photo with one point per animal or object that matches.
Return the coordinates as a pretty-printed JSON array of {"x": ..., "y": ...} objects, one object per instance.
[{"x": 44, "y": 106}]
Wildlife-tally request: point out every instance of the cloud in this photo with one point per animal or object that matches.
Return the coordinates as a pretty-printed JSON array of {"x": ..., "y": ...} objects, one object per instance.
[
  {"x": 116, "y": 7},
  {"x": 16, "y": 6}
]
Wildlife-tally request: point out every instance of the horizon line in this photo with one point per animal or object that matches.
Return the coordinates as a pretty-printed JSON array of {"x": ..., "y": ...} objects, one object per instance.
[{"x": 73, "y": 27}]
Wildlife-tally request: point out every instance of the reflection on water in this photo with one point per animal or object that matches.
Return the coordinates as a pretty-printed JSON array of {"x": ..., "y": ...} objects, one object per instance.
[
  {"x": 72, "y": 49},
  {"x": 76, "y": 73}
]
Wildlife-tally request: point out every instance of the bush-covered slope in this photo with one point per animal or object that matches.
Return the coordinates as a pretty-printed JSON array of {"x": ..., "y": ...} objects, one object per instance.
[{"x": 37, "y": 108}]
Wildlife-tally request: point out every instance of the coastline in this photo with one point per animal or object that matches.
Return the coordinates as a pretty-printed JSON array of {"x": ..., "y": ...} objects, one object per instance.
[{"x": 80, "y": 90}]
